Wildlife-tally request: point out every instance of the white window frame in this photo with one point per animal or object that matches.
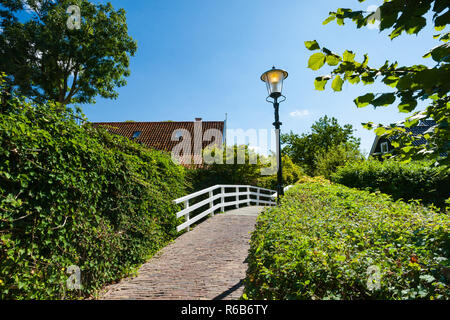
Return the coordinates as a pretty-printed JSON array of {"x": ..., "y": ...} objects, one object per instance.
[{"x": 384, "y": 146}]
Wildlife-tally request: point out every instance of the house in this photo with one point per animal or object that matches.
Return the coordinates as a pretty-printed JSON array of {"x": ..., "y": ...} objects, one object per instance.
[
  {"x": 185, "y": 139},
  {"x": 383, "y": 145}
]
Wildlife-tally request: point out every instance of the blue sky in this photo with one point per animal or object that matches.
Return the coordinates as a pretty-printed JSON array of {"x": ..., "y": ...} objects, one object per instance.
[{"x": 204, "y": 58}]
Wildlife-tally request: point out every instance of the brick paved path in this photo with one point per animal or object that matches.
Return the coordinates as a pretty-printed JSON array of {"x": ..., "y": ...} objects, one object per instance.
[{"x": 206, "y": 263}]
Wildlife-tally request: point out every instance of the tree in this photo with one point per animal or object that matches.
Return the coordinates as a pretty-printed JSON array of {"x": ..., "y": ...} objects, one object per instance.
[
  {"x": 407, "y": 84},
  {"x": 48, "y": 58},
  {"x": 326, "y": 133}
]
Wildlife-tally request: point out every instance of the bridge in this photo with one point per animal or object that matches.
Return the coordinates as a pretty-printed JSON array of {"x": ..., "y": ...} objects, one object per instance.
[{"x": 209, "y": 261}]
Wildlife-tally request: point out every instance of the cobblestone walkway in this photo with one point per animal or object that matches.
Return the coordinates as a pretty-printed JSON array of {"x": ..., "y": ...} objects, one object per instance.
[{"x": 206, "y": 263}]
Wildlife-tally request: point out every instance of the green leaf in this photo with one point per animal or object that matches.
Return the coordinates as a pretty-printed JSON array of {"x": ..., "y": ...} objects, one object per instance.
[
  {"x": 366, "y": 61},
  {"x": 337, "y": 83},
  {"x": 328, "y": 20},
  {"x": 416, "y": 24},
  {"x": 407, "y": 149},
  {"x": 428, "y": 278},
  {"x": 312, "y": 45},
  {"x": 320, "y": 82},
  {"x": 384, "y": 100},
  {"x": 407, "y": 106},
  {"x": 441, "y": 53},
  {"x": 349, "y": 56},
  {"x": 367, "y": 78},
  {"x": 354, "y": 79},
  {"x": 404, "y": 83},
  {"x": 316, "y": 61},
  {"x": 380, "y": 131},
  {"x": 394, "y": 34},
  {"x": 333, "y": 60},
  {"x": 364, "y": 100},
  {"x": 391, "y": 81}
]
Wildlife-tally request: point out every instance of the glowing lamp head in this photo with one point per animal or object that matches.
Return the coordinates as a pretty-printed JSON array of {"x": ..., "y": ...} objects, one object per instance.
[{"x": 274, "y": 81}]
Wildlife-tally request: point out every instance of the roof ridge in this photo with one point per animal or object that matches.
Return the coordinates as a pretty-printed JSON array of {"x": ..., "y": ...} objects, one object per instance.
[{"x": 134, "y": 122}]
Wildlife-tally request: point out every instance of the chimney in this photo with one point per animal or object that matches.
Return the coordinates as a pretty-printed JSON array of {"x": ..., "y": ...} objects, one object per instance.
[{"x": 198, "y": 119}]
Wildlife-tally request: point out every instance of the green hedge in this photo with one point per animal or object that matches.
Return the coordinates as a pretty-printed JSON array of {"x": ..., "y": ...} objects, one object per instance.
[
  {"x": 415, "y": 180},
  {"x": 75, "y": 195},
  {"x": 232, "y": 170},
  {"x": 329, "y": 241},
  {"x": 291, "y": 174}
]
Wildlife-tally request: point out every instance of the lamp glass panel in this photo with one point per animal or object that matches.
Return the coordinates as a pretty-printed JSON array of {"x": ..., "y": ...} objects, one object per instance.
[{"x": 274, "y": 81}]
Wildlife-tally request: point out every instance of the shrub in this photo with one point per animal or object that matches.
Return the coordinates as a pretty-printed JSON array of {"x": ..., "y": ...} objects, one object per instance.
[
  {"x": 328, "y": 241},
  {"x": 415, "y": 180},
  {"x": 327, "y": 162},
  {"x": 291, "y": 174},
  {"x": 75, "y": 195},
  {"x": 235, "y": 169}
]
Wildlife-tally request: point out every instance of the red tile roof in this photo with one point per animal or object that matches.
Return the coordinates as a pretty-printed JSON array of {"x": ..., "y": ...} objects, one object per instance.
[{"x": 158, "y": 135}]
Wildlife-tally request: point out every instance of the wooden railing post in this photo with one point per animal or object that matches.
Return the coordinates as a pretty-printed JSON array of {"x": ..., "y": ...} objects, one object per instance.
[
  {"x": 211, "y": 203},
  {"x": 258, "y": 190},
  {"x": 249, "y": 202},
  {"x": 237, "y": 197},
  {"x": 222, "y": 199},
  {"x": 186, "y": 205}
]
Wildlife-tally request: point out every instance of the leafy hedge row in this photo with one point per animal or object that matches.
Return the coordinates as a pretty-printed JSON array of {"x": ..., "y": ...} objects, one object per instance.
[
  {"x": 75, "y": 195},
  {"x": 414, "y": 180},
  {"x": 331, "y": 242}
]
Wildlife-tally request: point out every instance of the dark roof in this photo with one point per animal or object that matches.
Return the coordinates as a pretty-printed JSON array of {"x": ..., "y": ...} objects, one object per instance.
[
  {"x": 418, "y": 130},
  {"x": 158, "y": 135},
  {"x": 427, "y": 123}
]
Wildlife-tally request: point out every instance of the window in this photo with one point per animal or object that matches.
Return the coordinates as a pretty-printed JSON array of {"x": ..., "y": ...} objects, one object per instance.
[
  {"x": 384, "y": 147},
  {"x": 136, "y": 134},
  {"x": 178, "y": 135}
]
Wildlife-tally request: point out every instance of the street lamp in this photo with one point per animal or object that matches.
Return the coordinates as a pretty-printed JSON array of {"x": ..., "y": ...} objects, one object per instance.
[{"x": 274, "y": 81}]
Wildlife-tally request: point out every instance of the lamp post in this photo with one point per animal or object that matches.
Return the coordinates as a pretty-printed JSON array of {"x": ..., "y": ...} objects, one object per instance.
[{"x": 274, "y": 81}]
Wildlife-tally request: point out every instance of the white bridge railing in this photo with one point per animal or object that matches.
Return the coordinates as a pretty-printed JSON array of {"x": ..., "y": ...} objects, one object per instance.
[{"x": 219, "y": 197}]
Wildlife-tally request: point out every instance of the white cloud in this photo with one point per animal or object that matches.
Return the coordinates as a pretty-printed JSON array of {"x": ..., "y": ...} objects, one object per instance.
[
  {"x": 300, "y": 113},
  {"x": 374, "y": 22}
]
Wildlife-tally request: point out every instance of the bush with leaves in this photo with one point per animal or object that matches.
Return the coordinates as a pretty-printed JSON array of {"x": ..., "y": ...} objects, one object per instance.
[
  {"x": 328, "y": 241},
  {"x": 415, "y": 180},
  {"x": 406, "y": 84},
  {"x": 336, "y": 157},
  {"x": 76, "y": 195},
  {"x": 291, "y": 174},
  {"x": 236, "y": 164}
]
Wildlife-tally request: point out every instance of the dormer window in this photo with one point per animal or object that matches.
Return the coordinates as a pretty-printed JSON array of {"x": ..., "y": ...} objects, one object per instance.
[
  {"x": 384, "y": 147},
  {"x": 178, "y": 135},
  {"x": 136, "y": 134}
]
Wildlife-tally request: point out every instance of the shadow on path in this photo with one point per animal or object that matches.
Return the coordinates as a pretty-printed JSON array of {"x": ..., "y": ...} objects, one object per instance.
[{"x": 230, "y": 291}]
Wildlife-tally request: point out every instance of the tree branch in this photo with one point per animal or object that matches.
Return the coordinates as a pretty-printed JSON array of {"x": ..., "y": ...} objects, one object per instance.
[{"x": 73, "y": 88}]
